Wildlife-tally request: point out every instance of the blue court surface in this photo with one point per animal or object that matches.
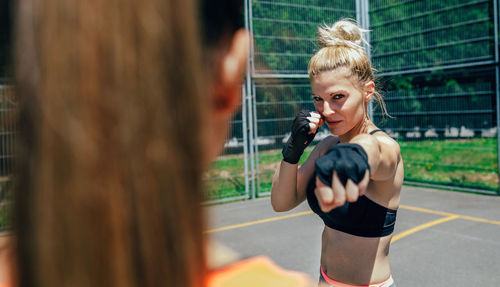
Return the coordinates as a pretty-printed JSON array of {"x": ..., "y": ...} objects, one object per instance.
[{"x": 442, "y": 238}]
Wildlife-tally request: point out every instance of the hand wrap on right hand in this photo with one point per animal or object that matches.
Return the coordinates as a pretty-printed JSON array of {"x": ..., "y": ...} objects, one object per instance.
[
  {"x": 299, "y": 139},
  {"x": 349, "y": 160}
]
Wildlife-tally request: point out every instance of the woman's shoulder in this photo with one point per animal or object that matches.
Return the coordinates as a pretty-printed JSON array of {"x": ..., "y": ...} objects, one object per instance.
[{"x": 385, "y": 139}]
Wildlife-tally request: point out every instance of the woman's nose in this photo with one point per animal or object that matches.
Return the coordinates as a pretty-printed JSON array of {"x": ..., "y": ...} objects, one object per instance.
[{"x": 327, "y": 109}]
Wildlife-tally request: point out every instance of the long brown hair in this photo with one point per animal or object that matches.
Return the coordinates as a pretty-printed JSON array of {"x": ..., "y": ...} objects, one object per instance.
[{"x": 108, "y": 182}]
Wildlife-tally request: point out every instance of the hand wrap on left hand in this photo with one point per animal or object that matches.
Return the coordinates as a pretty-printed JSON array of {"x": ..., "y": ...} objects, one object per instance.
[
  {"x": 349, "y": 160},
  {"x": 299, "y": 139}
]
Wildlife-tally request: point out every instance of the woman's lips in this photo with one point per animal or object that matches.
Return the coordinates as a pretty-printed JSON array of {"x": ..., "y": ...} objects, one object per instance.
[{"x": 333, "y": 123}]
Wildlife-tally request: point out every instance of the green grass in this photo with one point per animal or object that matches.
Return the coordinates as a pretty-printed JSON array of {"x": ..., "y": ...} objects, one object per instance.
[
  {"x": 224, "y": 188},
  {"x": 462, "y": 163},
  {"x": 225, "y": 178}
]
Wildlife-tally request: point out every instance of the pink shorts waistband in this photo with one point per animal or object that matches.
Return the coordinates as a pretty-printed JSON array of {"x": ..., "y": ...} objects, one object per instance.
[{"x": 334, "y": 283}]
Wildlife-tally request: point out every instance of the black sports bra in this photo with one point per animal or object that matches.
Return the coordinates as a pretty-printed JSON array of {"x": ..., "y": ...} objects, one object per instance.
[
  {"x": 364, "y": 217},
  {"x": 375, "y": 131}
]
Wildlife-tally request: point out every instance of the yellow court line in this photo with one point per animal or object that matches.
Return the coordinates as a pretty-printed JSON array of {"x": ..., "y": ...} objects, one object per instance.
[
  {"x": 425, "y": 210},
  {"x": 258, "y": 221},
  {"x": 419, "y": 209},
  {"x": 421, "y": 227},
  {"x": 477, "y": 219}
]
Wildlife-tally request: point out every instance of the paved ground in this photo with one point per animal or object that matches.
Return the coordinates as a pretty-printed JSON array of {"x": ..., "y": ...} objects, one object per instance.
[{"x": 442, "y": 238}]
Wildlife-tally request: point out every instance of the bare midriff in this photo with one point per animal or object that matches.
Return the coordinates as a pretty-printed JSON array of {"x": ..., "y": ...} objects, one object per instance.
[{"x": 355, "y": 260}]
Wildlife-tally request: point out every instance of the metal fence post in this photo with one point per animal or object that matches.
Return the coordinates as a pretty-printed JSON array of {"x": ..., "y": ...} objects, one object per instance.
[
  {"x": 250, "y": 28},
  {"x": 253, "y": 115},
  {"x": 497, "y": 84},
  {"x": 248, "y": 85},
  {"x": 363, "y": 18},
  {"x": 245, "y": 135},
  {"x": 256, "y": 136},
  {"x": 359, "y": 11},
  {"x": 251, "y": 137}
]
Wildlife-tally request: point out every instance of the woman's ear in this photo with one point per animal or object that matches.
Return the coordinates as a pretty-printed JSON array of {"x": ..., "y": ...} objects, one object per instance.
[
  {"x": 227, "y": 86},
  {"x": 226, "y": 94},
  {"x": 369, "y": 90}
]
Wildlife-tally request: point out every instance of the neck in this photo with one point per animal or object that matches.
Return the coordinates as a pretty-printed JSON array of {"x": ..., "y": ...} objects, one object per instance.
[{"x": 360, "y": 128}]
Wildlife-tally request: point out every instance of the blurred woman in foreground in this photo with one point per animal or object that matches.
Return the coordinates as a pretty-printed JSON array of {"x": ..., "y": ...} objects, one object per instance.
[{"x": 119, "y": 113}]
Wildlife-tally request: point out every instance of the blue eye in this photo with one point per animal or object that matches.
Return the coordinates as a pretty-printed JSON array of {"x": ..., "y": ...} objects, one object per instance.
[
  {"x": 337, "y": 96},
  {"x": 317, "y": 99}
]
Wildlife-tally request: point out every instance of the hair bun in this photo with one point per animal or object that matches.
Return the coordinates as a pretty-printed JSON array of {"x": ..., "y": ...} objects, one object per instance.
[{"x": 344, "y": 32}]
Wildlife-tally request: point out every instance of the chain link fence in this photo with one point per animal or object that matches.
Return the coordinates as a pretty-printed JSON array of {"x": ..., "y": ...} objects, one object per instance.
[
  {"x": 437, "y": 63},
  {"x": 229, "y": 177},
  {"x": 412, "y": 35},
  {"x": 285, "y": 33},
  {"x": 437, "y": 68},
  {"x": 445, "y": 123}
]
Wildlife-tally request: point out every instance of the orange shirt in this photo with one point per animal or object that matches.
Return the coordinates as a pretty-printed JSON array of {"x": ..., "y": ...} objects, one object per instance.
[{"x": 258, "y": 271}]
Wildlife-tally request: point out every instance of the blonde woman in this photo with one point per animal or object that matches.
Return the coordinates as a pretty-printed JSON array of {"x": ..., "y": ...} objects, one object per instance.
[{"x": 352, "y": 179}]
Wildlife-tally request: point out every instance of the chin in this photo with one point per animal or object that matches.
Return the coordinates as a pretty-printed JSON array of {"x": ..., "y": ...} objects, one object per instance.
[{"x": 337, "y": 132}]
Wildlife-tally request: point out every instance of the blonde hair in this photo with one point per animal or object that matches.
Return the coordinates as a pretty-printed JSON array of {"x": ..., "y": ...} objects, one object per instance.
[{"x": 341, "y": 47}]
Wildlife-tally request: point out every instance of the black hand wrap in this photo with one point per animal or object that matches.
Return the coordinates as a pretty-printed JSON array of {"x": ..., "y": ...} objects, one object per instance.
[
  {"x": 349, "y": 160},
  {"x": 299, "y": 139}
]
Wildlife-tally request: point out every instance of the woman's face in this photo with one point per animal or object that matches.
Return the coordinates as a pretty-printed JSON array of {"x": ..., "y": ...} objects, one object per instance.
[{"x": 339, "y": 99}]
